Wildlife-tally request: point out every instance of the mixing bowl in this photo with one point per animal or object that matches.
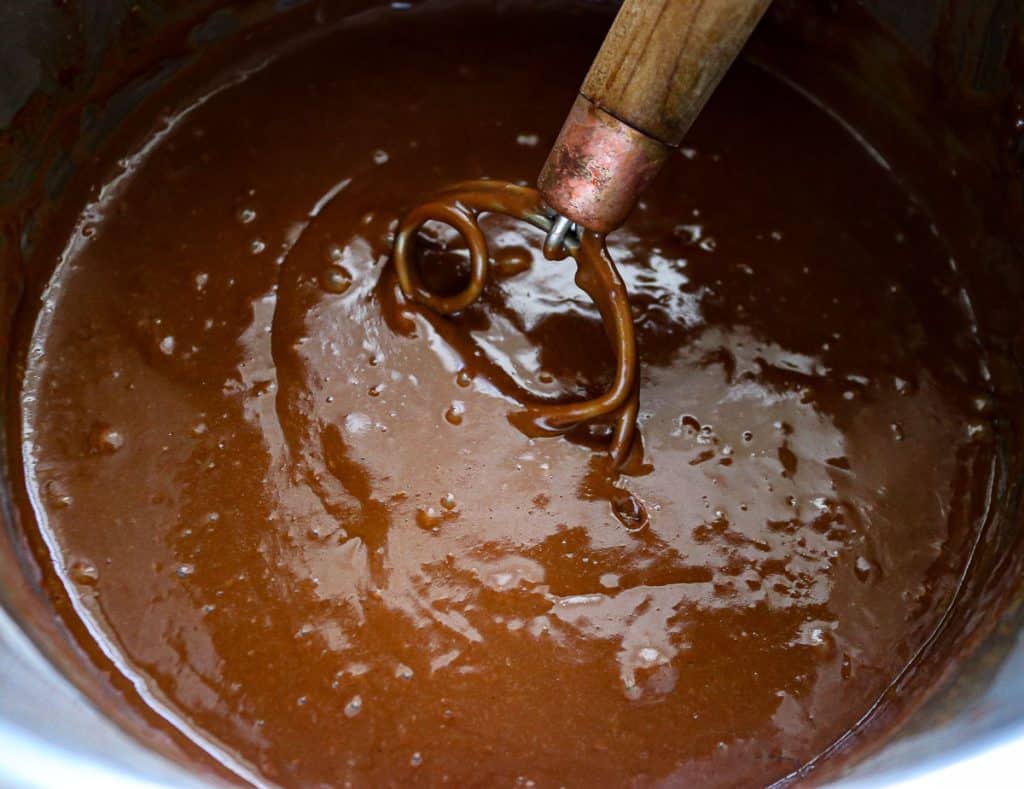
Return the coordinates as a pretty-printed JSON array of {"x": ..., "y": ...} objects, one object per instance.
[{"x": 937, "y": 85}]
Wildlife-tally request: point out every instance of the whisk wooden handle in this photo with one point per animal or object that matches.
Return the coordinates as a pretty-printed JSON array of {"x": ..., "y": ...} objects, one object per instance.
[
  {"x": 662, "y": 59},
  {"x": 658, "y": 65}
]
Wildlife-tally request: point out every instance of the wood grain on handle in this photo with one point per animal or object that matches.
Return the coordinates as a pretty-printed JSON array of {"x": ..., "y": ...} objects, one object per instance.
[{"x": 662, "y": 59}]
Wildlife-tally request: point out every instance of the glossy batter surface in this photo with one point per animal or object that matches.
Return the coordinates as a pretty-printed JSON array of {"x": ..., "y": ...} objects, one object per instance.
[{"x": 292, "y": 504}]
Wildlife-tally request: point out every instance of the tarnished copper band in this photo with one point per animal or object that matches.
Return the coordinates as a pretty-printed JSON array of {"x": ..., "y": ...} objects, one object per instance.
[{"x": 597, "y": 167}]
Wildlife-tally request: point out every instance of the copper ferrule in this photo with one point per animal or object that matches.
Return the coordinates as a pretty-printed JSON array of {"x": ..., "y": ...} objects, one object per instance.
[{"x": 598, "y": 167}]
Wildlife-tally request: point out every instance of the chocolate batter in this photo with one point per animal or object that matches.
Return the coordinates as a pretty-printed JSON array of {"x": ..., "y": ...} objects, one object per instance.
[{"x": 289, "y": 504}]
